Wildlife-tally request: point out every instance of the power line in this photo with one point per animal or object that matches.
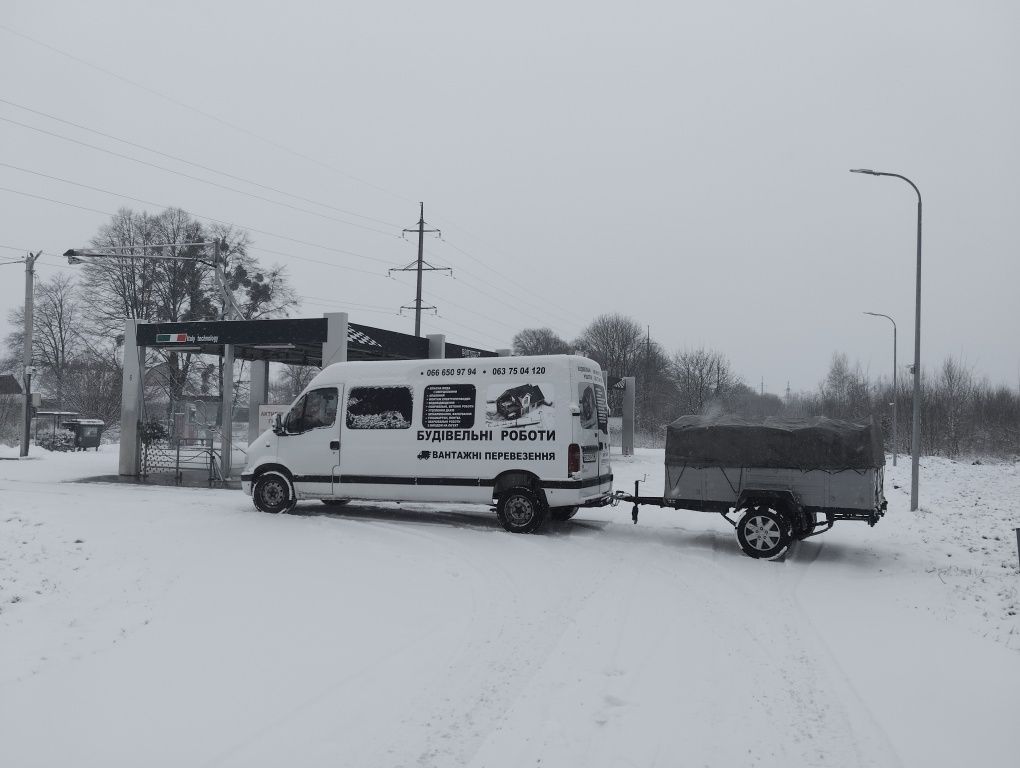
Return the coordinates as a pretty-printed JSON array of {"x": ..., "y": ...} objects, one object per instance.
[
  {"x": 247, "y": 132},
  {"x": 196, "y": 165},
  {"x": 500, "y": 299},
  {"x": 58, "y": 202},
  {"x": 160, "y": 205},
  {"x": 195, "y": 178},
  {"x": 203, "y": 113},
  {"x": 251, "y": 133},
  {"x": 486, "y": 264},
  {"x": 218, "y": 221}
]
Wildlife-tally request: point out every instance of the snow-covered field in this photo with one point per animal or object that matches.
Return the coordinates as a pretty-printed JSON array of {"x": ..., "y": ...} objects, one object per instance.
[{"x": 159, "y": 626}]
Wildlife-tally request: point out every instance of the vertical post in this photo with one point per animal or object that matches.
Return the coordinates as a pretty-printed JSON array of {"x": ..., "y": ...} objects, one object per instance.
[
  {"x": 227, "y": 410},
  {"x": 421, "y": 249},
  {"x": 227, "y": 393},
  {"x": 915, "y": 440},
  {"x": 258, "y": 394},
  {"x": 645, "y": 386},
  {"x": 132, "y": 381},
  {"x": 27, "y": 352},
  {"x": 437, "y": 346},
  {"x": 895, "y": 415},
  {"x": 334, "y": 349},
  {"x": 629, "y": 397}
]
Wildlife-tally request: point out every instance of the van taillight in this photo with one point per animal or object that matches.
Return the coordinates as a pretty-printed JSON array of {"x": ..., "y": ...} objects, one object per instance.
[{"x": 574, "y": 458}]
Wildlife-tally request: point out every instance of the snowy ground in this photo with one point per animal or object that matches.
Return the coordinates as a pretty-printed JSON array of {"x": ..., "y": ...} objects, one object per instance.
[{"x": 177, "y": 627}]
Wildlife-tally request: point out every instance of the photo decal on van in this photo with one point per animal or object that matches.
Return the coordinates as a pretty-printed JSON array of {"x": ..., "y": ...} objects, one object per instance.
[
  {"x": 591, "y": 398},
  {"x": 380, "y": 407},
  {"x": 525, "y": 405}
]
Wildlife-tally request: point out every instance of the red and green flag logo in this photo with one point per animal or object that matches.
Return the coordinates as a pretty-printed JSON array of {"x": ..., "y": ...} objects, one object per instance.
[{"x": 171, "y": 338}]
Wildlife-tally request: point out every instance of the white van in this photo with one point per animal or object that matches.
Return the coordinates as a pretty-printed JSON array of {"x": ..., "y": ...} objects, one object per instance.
[{"x": 529, "y": 434}]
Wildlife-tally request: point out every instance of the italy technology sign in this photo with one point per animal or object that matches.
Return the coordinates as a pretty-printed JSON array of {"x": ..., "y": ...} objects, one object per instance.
[{"x": 171, "y": 338}]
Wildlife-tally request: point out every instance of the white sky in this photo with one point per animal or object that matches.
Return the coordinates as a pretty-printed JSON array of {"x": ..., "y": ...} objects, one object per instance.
[{"x": 685, "y": 164}]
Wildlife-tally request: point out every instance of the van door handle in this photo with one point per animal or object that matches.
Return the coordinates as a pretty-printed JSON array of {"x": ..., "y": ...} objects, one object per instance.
[{"x": 334, "y": 445}]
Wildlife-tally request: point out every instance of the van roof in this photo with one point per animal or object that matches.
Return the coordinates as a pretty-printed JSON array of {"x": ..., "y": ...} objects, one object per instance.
[{"x": 383, "y": 369}]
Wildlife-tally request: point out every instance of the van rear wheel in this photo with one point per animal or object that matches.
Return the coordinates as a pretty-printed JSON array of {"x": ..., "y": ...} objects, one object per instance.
[
  {"x": 562, "y": 514},
  {"x": 519, "y": 510}
]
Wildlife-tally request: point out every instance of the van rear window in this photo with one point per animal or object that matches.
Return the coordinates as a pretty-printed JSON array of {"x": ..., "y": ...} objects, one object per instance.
[{"x": 379, "y": 408}]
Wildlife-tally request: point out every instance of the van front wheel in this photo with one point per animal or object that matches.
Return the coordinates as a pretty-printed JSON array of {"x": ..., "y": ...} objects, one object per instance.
[
  {"x": 272, "y": 493},
  {"x": 520, "y": 511}
]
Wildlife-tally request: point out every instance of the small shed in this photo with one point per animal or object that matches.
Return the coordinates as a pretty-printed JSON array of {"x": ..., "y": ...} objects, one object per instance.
[{"x": 9, "y": 385}]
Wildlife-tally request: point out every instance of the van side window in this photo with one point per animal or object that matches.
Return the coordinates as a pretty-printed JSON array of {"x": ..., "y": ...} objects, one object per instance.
[
  {"x": 314, "y": 410},
  {"x": 379, "y": 408}
]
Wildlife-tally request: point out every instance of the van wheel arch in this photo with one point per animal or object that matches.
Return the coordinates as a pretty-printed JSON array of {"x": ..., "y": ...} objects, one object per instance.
[
  {"x": 281, "y": 472},
  {"x": 518, "y": 478}
]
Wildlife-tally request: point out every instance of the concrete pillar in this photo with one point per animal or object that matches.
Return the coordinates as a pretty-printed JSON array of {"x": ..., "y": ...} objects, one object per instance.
[
  {"x": 437, "y": 346},
  {"x": 334, "y": 350},
  {"x": 227, "y": 410},
  {"x": 504, "y": 352},
  {"x": 629, "y": 397},
  {"x": 131, "y": 400},
  {"x": 258, "y": 394}
]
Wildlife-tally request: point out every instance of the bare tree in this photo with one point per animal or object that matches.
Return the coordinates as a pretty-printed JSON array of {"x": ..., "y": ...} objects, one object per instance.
[
  {"x": 291, "y": 382},
  {"x": 175, "y": 290},
  {"x": 539, "y": 341},
  {"x": 845, "y": 391},
  {"x": 615, "y": 342},
  {"x": 56, "y": 333},
  {"x": 700, "y": 376},
  {"x": 94, "y": 385}
]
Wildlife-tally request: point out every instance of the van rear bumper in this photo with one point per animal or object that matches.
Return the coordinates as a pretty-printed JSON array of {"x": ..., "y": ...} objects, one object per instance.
[{"x": 589, "y": 492}]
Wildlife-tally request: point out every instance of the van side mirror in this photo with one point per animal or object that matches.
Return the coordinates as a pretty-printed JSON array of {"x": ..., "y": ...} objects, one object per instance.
[{"x": 277, "y": 425}]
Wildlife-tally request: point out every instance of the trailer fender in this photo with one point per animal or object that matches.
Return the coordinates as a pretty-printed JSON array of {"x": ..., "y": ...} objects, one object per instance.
[
  {"x": 802, "y": 524},
  {"x": 784, "y": 501}
]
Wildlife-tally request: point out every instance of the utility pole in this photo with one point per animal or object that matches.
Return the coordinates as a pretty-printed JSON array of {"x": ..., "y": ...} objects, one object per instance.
[
  {"x": 29, "y": 322},
  {"x": 647, "y": 384},
  {"x": 419, "y": 266}
]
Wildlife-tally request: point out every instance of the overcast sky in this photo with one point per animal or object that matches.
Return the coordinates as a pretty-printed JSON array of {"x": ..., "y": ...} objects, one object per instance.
[{"x": 682, "y": 163}]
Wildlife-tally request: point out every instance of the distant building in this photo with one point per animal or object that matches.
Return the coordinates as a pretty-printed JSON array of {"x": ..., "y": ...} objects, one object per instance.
[{"x": 9, "y": 385}]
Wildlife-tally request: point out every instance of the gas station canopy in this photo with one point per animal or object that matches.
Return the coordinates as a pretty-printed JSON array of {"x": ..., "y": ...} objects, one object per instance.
[{"x": 293, "y": 341}]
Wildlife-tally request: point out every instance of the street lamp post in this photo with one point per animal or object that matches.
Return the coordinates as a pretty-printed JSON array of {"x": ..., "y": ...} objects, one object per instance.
[
  {"x": 232, "y": 310},
  {"x": 879, "y": 314},
  {"x": 915, "y": 436}
]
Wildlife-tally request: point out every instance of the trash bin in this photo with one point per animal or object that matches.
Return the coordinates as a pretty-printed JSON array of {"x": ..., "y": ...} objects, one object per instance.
[{"x": 87, "y": 432}]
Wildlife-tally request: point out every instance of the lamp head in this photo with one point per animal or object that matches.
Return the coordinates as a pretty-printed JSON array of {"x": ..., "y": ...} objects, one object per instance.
[
  {"x": 72, "y": 256},
  {"x": 864, "y": 170}
]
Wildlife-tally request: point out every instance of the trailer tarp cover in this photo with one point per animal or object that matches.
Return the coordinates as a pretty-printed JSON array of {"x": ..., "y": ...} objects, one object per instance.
[{"x": 814, "y": 443}]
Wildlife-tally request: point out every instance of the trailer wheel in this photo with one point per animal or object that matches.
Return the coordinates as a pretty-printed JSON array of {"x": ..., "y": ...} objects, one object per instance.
[
  {"x": 763, "y": 533},
  {"x": 520, "y": 511},
  {"x": 562, "y": 514},
  {"x": 272, "y": 493}
]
